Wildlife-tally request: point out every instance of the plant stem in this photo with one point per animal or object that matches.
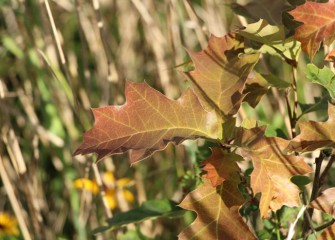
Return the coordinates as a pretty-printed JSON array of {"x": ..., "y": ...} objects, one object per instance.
[
  {"x": 307, "y": 224},
  {"x": 295, "y": 102},
  {"x": 327, "y": 224},
  {"x": 277, "y": 226},
  {"x": 292, "y": 112},
  {"x": 327, "y": 168}
]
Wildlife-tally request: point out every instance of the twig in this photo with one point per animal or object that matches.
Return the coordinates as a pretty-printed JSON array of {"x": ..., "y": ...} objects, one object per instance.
[
  {"x": 323, "y": 226},
  {"x": 307, "y": 225},
  {"x": 295, "y": 102},
  {"x": 292, "y": 111},
  {"x": 327, "y": 168}
]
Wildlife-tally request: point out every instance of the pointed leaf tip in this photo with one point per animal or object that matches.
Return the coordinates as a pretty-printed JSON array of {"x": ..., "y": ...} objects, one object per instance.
[
  {"x": 220, "y": 73},
  {"x": 146, "y": 123},
  {"x": 315, "y": 135},
  {"x": 318, "y": 25}
]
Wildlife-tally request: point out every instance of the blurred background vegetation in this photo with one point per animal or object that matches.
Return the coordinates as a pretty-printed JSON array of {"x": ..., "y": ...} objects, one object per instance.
[{"x": 60, "y": 58}]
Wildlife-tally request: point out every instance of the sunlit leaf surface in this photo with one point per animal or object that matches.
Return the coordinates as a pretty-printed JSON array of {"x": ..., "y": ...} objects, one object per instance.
[{"x": 146, "y": 123}]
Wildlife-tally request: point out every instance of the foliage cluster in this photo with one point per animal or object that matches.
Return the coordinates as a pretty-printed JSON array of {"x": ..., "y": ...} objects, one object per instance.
[{"x": 257, "y": 138}]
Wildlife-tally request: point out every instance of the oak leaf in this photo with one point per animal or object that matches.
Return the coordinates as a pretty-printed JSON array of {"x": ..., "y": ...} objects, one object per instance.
[
  {"x": 330, "y": 57},
  {"x": 325, "y": 202},
  {"x": 220, "y": 73},
  {"x": 265, "y": 9},
  {"x": 272, "y": 40},
  {"x": 318, "y": 25},
  {"x": 258, "y": 85},
  {"x": 146, "y": 123},
  {"x": 220, "y": 165},
  {"x": 328, "y": 233},
  {"x": 325, "y": 77},
  {"x": 272, "y": 169},
  {"x": 314, "y": 135},
  {"x": 217, "y": 212}
]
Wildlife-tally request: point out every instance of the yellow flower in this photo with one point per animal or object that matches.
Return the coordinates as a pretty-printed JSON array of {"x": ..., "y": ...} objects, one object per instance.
[
  {"x": 110, "y": 185},
  {"x": 87, "y": 184},
  {"x": 8, "y": 225},
  {"x": 109, "y": 181},
  {"x": 111, "y": 198}
]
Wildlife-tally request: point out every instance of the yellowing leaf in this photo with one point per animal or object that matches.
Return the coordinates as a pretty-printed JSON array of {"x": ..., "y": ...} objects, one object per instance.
[
  {"x": 315, "y": 135},
  {"x": 220, "y": 74},
  {"x": 220, "y": 165},
  {"x": 146, "y": 123},
  {"x": 318, "y": 25},
  {"x": 325, "y": 202},
  {"x": 272, "y": 169},
  {"x": 263, "y": 32},
  {"x": 217, "y": 213},
  {"x": 273, "y": 40}
]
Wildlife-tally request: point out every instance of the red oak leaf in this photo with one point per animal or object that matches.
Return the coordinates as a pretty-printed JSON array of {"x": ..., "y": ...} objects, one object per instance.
[
  {"x": 318, "y": 25},
  {"x": 315, "y": 135},
  {"x": 325, "y": 202},
  {"x": 328, "y": 233},
  {"x": 221, "y": 71},
  {"x": 146, "y": 123},
  {"x": 220, "y": 165},
  {"x": 272, "y": 169},
  {"x": 217, "y": 212}
]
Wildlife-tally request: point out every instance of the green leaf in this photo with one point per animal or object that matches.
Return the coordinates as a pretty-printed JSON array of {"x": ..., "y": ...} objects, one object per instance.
[
  {"x": 320, "y": 103},
  {"x": 12, "y": 46},
  {"x": 300, "y": 181},
  {"x": 134, "y": 234},
  {"x": 148, "y": 210},
  {"x": 324, "y": 77}
]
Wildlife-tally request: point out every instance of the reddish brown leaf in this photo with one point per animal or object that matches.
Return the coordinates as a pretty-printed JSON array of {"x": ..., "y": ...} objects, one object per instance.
[
  {"x": 272, "y": 169},
  {"x": 331, "y": 57},
  {"x": 220, "y": 165},
  {"x": 315, "y": 135},
  {"x": 217, "y": 212},
  {"x": 328, "y": 233},
  {"x": 220, "y": 73},
  {"x": 146, "y": 123},
  {"x": 318, "y": 25},
  {"x": 325, "y": 202}
]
